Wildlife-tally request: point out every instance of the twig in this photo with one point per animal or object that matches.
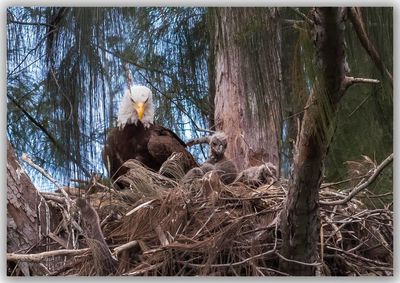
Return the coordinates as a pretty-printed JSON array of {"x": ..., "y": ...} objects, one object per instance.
[
  {"x": 68, "y": 200},
  {"x": 144, "y": 270},
  {"x": 359, "y": 106},
  {"x": 358, "y": 256},
  {"x": 377, "y": 196},
  {"x": 298, "y": 262},
  {"x": 26, "y": 158},
  {"x": 307, "y": 19},
  {"x": 363, "y": 185},
  {"x": 325, "y": 185},
  {"x": 205, "y": 223},
  {"x": 230, "y": 264}
]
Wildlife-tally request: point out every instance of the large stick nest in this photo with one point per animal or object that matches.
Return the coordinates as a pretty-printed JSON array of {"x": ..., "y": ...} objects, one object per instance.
[{"x": 208, "y": 228}]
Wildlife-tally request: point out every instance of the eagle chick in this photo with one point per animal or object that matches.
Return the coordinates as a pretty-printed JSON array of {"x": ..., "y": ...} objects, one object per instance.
[{"x": 217, "y": 161}]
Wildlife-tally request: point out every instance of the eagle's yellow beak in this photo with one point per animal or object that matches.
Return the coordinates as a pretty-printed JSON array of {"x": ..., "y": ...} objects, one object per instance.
[{"x": 140, "y": 109}]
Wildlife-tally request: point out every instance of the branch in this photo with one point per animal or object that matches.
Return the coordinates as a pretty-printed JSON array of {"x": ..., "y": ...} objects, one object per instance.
[
  {"x": 353, "y": 80},
  {"x": 200, "y": 140},
  {"x": 325, "y": 185},
  {"x": 206, "y": 130},
  {"x": 124, "y": 247},
  {"x": 26, "y": 158},
  {"x": 356, "y": 19},
  {"x": 363, "y": 185},
  {"x": 298, "y": 262},
  {"x": 68, "y": 200},
  {"x": 30, "y": 24},
  {"x": 40, "y": 256},
  {"x": 349, "y": 81}
]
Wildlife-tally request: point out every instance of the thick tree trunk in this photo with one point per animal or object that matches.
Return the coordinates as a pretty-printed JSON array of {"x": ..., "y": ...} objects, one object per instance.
[
  {"x": 300, "y": 221},
  {"x": 24, "y": 208},
  {"x": 248, "y": 83}
]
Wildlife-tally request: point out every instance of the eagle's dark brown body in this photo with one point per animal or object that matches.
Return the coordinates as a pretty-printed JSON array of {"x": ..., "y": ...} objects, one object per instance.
[{"x": 151, "y": 146}]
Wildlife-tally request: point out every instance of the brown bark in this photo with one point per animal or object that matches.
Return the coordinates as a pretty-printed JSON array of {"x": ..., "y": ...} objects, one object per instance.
[
  {"x": 248, "y": 83},
  {"x": 300, "y": 218},
  {"x": 25, "y": 211}
]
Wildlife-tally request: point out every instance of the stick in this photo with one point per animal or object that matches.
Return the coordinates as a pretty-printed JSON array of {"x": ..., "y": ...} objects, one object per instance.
[
  {"x": 68, "y": 200},
  {"x": 200, "y": 140},
  {"x": 298, "y": 262},
  {"x": 206, "y": 130},
  {"x": 349, "y": 81},
  {"x": 124, "y": 247},
  {"x": 40, "y": 256},
  {"x": 26, "y": 158},
  {"x": 363, "y": 185},
  {"x": 65, "y": 252},
  {"x": 326, "y": 185}
]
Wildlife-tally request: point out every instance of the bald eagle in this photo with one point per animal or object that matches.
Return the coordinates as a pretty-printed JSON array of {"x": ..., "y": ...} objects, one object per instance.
[{"x": 137, "y": 137}]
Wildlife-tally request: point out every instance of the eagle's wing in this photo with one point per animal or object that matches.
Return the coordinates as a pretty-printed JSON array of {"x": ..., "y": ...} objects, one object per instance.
[
  {"x": 124, "y": 144},
  {"x": 163, "y": 142},
  {"x": 110, "y": 155}
]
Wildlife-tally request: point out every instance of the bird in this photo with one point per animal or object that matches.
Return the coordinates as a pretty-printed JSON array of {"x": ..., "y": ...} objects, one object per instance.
[
  {"x": 138, "y": 137},
  {"x": 256, "y": 176},
  {"x": 217, "y": 161},
  {"x": 224, "y": 166}
]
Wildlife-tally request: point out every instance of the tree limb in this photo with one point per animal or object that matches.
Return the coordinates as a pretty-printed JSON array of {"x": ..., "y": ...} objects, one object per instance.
[
  {"x": 29, "y": 23},
  {"x": 26, "y": 158},
  {"x": 40, "y": 256},
  {"x": 124, "y": 247},
  {"x": 200, "y": 140},
  {"x": 349, "y": 81},
  {"x": 363, "y": 185}
]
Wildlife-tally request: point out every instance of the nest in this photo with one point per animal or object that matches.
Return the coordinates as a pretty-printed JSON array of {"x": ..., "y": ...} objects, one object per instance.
[{"x": 158, "y": 226}]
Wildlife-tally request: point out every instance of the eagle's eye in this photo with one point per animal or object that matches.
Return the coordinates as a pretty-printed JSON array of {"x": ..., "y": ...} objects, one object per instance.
[
  {"x": 133, "y": 101},
  {"x": 146, "y": 100}
]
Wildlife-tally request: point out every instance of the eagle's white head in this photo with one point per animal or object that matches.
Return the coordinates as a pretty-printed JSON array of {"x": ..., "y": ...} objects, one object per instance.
[{"x": 137, "y": 104}]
